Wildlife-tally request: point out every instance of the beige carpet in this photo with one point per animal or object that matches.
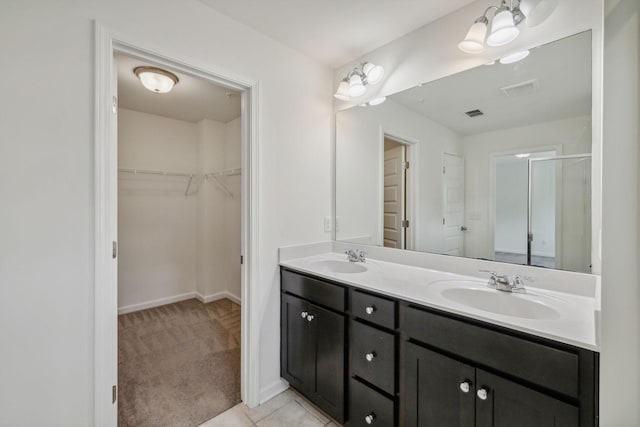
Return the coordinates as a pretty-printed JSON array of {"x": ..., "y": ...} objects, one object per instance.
[{"x": 178, "y": 364}]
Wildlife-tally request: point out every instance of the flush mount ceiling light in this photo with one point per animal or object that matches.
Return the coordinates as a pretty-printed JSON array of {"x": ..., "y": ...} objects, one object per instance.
[
  {"x": 354, "y": 84},
  {"x": 502, "y": 29},
  {"x": 156, "y": 79}
]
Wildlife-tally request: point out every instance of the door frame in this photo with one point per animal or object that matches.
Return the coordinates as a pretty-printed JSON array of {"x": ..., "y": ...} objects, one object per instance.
[
  {"x": 412, "y": 155},
  {"x": 107, "y": 43},
  {"x": 443, "y": 196}
]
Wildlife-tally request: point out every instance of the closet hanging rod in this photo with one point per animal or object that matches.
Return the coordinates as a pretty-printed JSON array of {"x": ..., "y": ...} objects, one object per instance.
[{"x": 156, "y": 172}]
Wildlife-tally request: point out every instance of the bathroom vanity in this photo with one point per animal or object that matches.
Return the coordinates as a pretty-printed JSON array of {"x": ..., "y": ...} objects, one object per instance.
[{"x": 379, "y": 343}]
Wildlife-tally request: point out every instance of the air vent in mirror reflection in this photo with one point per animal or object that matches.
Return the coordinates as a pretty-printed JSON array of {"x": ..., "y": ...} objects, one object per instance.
[{"x": 474, "y": 113}]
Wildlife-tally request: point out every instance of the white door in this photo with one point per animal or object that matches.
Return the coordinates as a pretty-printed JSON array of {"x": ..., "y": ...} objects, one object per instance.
[
  {"x": 453, "y": 203},
  {"x": 394, "y": 183}
]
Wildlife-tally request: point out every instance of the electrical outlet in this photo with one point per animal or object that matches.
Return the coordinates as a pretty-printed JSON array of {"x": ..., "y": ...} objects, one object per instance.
[{"x": 327, "y": 224}]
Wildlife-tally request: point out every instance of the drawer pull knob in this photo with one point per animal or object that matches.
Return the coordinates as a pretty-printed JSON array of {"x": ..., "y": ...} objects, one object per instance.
[
  {"x": 304, "y": 314},
  {"x": 310, "y": 317},
  {"x": 465, "y": 386},
  {"x": 370, "y": 356},
  {"x": 369, "y": 419},
  {"x": 482, "y": 394},
  {"x": 370, "y": 309}
]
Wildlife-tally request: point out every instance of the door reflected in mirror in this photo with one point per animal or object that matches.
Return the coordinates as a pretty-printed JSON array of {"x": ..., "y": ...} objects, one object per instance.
[{"x": 491, "y": 163}]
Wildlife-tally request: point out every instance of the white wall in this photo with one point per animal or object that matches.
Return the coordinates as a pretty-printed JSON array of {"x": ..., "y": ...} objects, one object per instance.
[
  {"x": 567, "y": 136},
  {"x": 232, "y": 208},
  {"x": 156, "y": 222},
  {"x": 47, "y": 169},
  {"x": 620, "y": 357},
  {"x": 219, "y": 216},
  {"x": 359, "y": 171}
]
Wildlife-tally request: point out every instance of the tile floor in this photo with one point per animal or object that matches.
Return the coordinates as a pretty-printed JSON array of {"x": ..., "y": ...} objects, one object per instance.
[{"x": 286, "y": 409}]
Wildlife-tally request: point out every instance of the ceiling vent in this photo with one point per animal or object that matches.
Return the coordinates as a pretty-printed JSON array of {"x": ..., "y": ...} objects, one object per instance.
[
  {"x": 474, "y": 113},
  {"x": 522, "y": 88}
]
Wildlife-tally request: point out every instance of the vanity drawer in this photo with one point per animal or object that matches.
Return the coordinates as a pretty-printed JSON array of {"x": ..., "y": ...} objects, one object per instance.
[
  {"x": 546, "y": 366},
  {"x": 374, "y": 309},
  {"x": 373, "y": 356},
  {"x": 323, "y": 293},
  {"x": 365, "y": 402}
]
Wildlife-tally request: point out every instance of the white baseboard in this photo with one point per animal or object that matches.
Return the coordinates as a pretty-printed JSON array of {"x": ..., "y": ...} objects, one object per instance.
[
  {"x": 177, "y": 298},
  {"x": 273, "y": 389},
  {"x": 156, "y": 302},
  {"x": 218, "y": 295}
]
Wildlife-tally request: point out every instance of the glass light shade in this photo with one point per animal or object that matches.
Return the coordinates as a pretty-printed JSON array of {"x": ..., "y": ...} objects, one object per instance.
[
  {"x": 373, "y": 72},
  {"x": 537, "y": 11},
  {"x": 474, "y": 41},
  {"x": 356, "y": 87},
  {"x": 503, "y": 29},
  {"x": 156, "y": 79},
  {"x": 377, "y": 101},
  {"x": 514, "y": 57},
  {"x": 343, "y": 91}
]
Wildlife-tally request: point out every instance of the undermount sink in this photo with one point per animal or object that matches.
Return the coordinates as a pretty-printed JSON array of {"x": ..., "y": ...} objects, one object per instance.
[
  {"x": 474, "y": 295},
  {"x": 336, "y": 266}
]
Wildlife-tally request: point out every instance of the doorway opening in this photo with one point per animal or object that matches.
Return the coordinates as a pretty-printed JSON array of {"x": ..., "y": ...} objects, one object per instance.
[
  {"x": 179, "y": 238},
  {"x": 106, "y": 216}
]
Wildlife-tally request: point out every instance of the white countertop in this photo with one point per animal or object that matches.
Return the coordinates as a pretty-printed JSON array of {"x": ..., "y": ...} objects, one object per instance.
[{"x": 575, "y": 325}]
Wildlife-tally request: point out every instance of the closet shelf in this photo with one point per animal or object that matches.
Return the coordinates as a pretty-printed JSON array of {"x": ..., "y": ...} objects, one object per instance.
[
  {"x": 191, "y": 176},
  {"x": 212, "y": 176}
]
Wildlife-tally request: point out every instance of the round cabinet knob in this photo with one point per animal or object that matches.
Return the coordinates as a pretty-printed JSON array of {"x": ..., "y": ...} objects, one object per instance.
[
  {"x": 370, "y": 356},
  {"x": 310, "y": 317},
  {"x": 370, "y": 309},
  {"x": 369, "y": 419},
  {"x": 482, "y": 394},
  {"x": 465, "y": 386},
  {"x": 304, "y": 314}
]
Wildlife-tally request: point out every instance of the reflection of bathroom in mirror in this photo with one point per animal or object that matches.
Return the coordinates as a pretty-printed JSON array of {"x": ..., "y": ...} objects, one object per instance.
[{"x": 491, "y": 163}]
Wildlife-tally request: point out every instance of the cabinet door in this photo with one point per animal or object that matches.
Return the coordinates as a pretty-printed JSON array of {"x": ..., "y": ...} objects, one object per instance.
[
  {"x": 330, "y": 361},
  {"x": 507, "y": 404},
  {"x": 298, "y": 351},
  {"x": 434, "y": 394}
]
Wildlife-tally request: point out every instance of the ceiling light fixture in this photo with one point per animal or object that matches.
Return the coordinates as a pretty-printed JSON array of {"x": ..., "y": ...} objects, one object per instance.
[
  {"x": 354, "y": 84},
  {"x": 502, "y": 29},
  {"x": 514, "y": 57},
  {"x": 156, "y": 79}
]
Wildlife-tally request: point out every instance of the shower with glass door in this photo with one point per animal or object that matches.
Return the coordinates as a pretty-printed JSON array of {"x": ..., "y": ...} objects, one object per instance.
[{"x": 559, "y": 212}]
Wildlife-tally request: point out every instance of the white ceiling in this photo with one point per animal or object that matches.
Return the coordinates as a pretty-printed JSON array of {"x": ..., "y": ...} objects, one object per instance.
[
  {"x": 191, "y": 100},
  {"x": 335, "y": 32},
  {"x": 563, "y": 72}
]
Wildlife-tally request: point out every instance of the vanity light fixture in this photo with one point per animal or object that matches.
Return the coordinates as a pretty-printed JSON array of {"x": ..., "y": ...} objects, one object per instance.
[
  {"x": 514, "y": 57},
  {"x": 502, "y": 29},
  {"x": 377, "y": 101},
  {"x": 156, "y": 79},
  {"x": 354, "y": 84}
]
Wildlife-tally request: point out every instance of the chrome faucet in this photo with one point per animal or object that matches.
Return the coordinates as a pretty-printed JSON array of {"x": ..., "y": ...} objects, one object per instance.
[
  {"x": 355, "y": 255},
  {"x": 502, "y": 282}
]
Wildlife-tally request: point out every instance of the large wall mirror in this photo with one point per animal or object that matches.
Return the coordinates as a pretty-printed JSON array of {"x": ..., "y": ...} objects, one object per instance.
[{"x": 491, "y": 163}]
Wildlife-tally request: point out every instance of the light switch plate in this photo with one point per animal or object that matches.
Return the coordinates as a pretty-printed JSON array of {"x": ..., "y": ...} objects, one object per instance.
[{"x": 327, "y": 224}]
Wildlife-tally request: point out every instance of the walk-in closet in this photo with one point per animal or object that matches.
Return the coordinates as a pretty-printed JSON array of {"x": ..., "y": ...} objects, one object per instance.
[{"x": 179, "y": 237}]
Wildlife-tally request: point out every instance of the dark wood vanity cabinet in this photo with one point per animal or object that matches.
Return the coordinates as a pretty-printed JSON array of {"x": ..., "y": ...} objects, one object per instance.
[
  {"x": 462, "y": 373},
  {"x": 313, "y": 346},
  {"x": 367, "y": 359}
]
